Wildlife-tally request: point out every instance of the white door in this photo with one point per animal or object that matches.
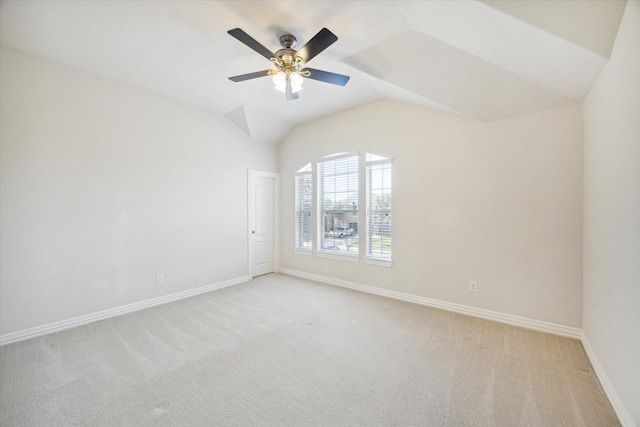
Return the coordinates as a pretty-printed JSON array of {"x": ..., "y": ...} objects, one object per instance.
[{"x": 262, "y": 189}]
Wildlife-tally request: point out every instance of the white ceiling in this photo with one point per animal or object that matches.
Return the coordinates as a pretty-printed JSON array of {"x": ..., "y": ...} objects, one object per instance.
[{"x": 481, "y": 59}]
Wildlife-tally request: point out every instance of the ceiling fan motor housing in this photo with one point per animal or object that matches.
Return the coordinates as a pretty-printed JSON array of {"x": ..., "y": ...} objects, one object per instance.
[{"x": 288, "y": 41}]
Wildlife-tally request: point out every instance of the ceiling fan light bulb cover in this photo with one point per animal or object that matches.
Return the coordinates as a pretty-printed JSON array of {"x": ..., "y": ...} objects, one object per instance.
[
  {"x": 296, "y": 82},
  {"x": 280, "y": 81}
]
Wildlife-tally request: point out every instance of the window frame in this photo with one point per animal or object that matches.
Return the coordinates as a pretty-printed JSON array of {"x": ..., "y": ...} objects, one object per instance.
[
  {"x": 382, "y": 258},
  {"x": 315, "y": 170}
]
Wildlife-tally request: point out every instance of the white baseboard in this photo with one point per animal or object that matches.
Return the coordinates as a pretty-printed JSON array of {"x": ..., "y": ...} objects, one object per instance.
[
  {"x": 510, "y": 319},
  {"x": 618, "y": 406},
  {"x": 117, "y": 311}
]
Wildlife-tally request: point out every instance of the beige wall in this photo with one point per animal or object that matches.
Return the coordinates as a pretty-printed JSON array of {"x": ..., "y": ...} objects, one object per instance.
[
  {"x": 499, "y": 203},
  {"x": 104, "y": 185},
  {"x": 612, "y": 214}
]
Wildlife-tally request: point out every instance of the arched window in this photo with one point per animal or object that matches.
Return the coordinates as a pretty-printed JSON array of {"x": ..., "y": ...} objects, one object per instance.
[{"x": 335, "y": 188}]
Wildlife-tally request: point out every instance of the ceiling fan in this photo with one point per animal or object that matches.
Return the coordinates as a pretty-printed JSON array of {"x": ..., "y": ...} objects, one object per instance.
[{"x": 290, "y": 64}]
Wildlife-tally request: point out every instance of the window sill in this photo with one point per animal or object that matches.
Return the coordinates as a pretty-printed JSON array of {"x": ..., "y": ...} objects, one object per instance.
[
  {"x": 379, "y": 262},
  {"x": 307, "y": 252},
  {"x": 342, "y": 257}
]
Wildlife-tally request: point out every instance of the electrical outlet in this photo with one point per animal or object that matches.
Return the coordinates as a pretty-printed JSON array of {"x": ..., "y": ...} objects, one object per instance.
[
  {"x": 159, "y": 279},
  {"x": 473, "y": 286}
]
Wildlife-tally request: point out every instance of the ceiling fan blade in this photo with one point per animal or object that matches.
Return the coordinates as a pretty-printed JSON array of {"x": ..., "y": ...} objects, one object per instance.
[
  {"x": 317, "y": 44},
  {"x": 249, "y": 76},
  {"x": 251, "y": 42},
  {"x": 327, "y": 77}
]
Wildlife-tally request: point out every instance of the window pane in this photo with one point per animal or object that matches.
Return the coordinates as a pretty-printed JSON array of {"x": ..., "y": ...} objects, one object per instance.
[
  {"x": 338, "y": 205},
  {"x": 378, "y": 235},
  {"x": 303, "y": 211}
]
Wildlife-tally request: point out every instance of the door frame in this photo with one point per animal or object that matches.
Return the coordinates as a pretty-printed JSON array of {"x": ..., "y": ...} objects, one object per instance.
[{"x": 276, "y": 218}]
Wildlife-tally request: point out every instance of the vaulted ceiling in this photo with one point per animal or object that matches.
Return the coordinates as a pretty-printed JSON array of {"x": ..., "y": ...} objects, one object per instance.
[{"x": 484, "y": 60}]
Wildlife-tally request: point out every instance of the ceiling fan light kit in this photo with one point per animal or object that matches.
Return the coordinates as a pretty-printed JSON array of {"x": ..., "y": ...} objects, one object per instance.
[{"x": 290, "y": 71}]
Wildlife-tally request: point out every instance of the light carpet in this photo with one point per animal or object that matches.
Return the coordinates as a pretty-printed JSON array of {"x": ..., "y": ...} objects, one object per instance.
[{"x": 284, "y": 351}]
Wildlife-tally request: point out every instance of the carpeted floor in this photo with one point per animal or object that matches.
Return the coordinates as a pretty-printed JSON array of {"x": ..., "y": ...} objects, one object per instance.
[{"x": 283, "y": 351}]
